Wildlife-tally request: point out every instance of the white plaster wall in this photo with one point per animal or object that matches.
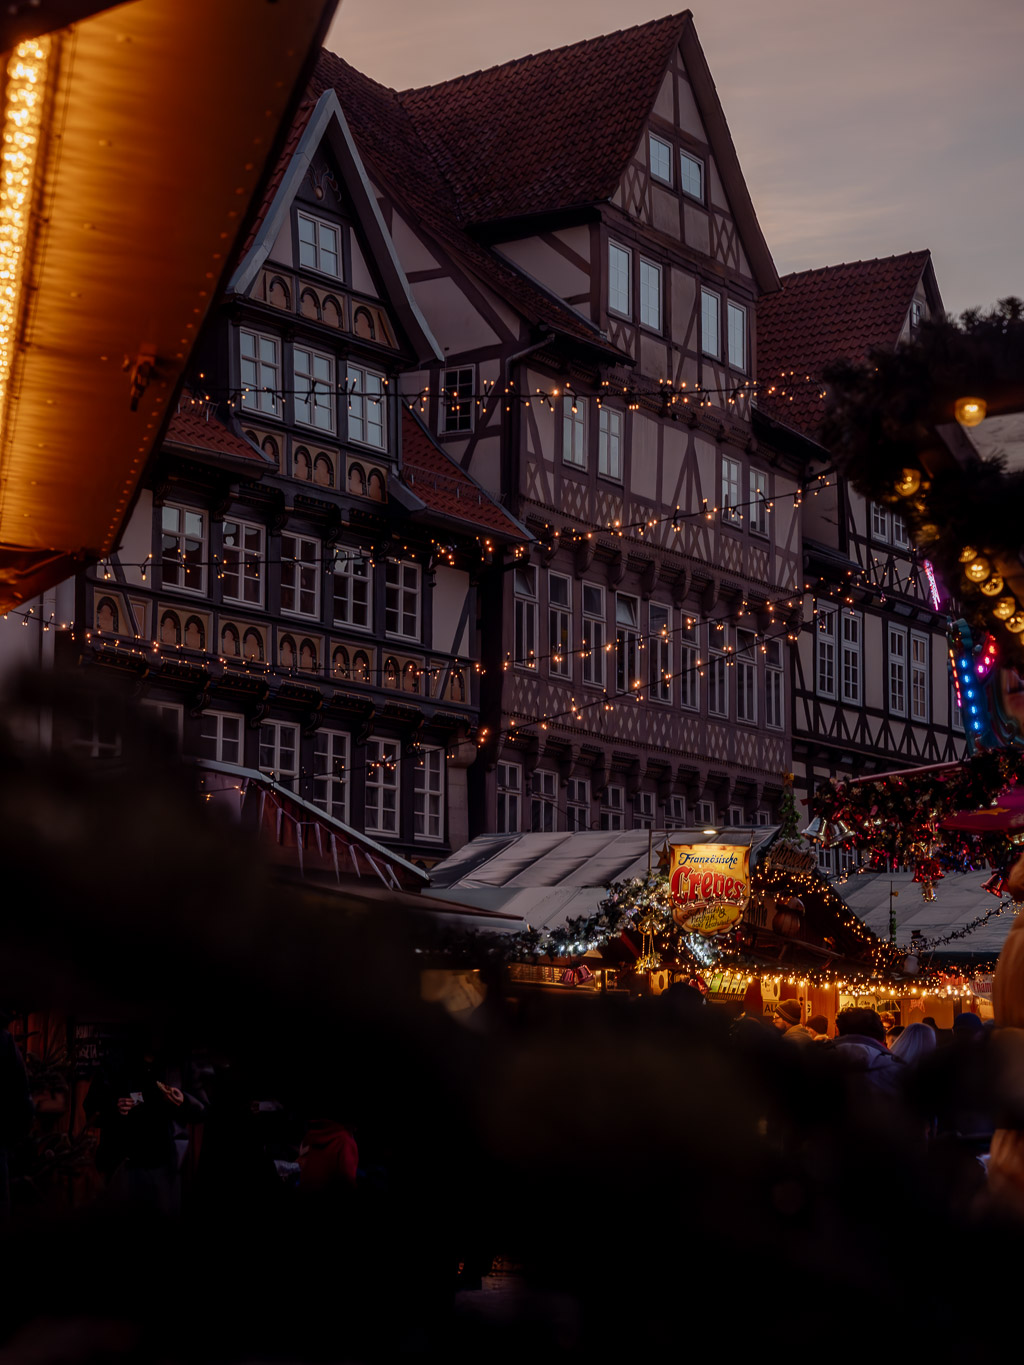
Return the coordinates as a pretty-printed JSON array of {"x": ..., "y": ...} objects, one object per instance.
[
  {"x": 137, "y": 541},
  {"x": 450, "y": 589}
]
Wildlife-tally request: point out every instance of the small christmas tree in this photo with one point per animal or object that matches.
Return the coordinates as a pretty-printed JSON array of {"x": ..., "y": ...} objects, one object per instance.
[{"x": 789, "y": 819}]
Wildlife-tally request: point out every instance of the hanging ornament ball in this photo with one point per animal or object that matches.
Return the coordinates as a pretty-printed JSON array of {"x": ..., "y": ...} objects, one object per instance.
[
  {"x": 969, "y": 412},
  {"x": 788, "y": 915},
  {"x": 1015, "y": 624},
  {"x": 978, "y": 569},
  {"x": 992, "y": 585},
  {"x": 908, "y": 483},
  {"x": 967, "y": 554},
  {"x": 1004, "y": 608},
  {"x": 928, "y": 532}
]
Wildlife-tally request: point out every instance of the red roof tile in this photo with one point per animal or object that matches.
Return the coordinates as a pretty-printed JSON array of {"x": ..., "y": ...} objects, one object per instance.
[
  {"x": 549, "y": 131},
  {"x": 196, "y": 427},
  {"x": 819, "y": 317},
  {"x": 446, "y": 488}
]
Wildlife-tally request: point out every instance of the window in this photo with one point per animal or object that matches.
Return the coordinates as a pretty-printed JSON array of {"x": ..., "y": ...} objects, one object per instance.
[
  {"x": 457, "y": 408},
  {"x": 381, "y": 814},
  {"x": 915, "y": 315},
  {"x": 879, "y": 522},
  {"x": 183, "y": 562},
  {"x": 661, "y": 159},
  {"x": 762, "y": 817},
  {"x": 168, "y": 720},
  {"x": 644, "y": 810},
  {"x": 352, "y": 591},
  {"x": 574, "y": 430},
  {"x": 675, "y": 813},
  {"x": 330, "y": 773},
  {"x": 897, "y": 671},
  {"x": 594, "y": 629},
  {"x": 577, "y": 804},
  {"x": 731, "y": 491},
  {"x": 918, "y": 676},
  {"x": 710, "y": 338},
  {"x": 510, "y": 786},
  {"x": 543, "y": 802},
  {"x": 612, "y": 806},
  {"x": 220, "y": 737},
  {"x": 825, "y": 653},
  {"x": 773, "y": 684},
  {"x": 757, "y": 512},
  {"x": 314, "y": 388},
  {"x": 260, "y": 372},
  {"x": 242, "y": 563},
  {"x": 300, "y": 576},
  {"x": 899, "y": 532},
  {"x": 620, "y": 280},
  {"x": 402, "y": 599},
  {"x": 746, "y": 676},
  {"x": 691, "y": 176},
  {"x": 627, "y": 642},
  {"x": 650, "y": 295},
  {"x": 851, "y": 647},
  {"x": 705, "y": 814},
  {"x": 737, "y": 322},
  {"x": 689, "y": 665},
  {"x": 428, "y": 794},
  {"x": 734, "y": 816},
  {"x": 279, "y": 753},
  {"x": 718, "y": 687},
  {"x": 319, "y": 244},
  {"x": 659, "y": 651},
  {"x": 559, "y": 626},
  {"x": 609, "y": 443},
  {"x": 366, "y": 408},
  {"x": 526, "y": 616}
]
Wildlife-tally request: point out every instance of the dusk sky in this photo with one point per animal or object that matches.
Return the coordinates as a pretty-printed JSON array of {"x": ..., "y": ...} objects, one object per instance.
[{"x": 863, "y": 130}]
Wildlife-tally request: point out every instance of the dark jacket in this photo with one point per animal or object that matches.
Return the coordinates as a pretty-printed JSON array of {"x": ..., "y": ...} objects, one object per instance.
[{"x": 872, "y": 1061}]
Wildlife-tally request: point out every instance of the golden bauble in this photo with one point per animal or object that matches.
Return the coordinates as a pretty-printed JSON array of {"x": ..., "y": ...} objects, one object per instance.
[
  {"x": 967, "y": 554},
  {"x": 978, "y": 569},
  {"x": 1016, "y": 624},
  {"x": 992, "y": 585},
  {"x": 1004, "y": 608},
  {"x": 908, "y": 483}
]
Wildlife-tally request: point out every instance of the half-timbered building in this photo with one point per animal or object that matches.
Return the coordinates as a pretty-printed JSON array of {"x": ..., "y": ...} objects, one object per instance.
[
  {"x": 871, "y": 688},
  {"x": 577, "y": 233}
]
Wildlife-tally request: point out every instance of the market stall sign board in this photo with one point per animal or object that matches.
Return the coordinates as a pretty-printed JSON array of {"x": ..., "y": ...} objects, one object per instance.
[{"x": 710, "y": 885}]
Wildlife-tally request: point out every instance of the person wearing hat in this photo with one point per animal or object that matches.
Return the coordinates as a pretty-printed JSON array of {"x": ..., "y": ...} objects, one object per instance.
[
  {"x": 787, "y": 1020},
  {"x": 817, "y": 1027}
]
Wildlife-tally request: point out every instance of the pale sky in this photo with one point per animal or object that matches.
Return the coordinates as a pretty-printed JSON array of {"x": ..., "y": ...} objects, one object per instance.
[{"x": 863, "y": 130}]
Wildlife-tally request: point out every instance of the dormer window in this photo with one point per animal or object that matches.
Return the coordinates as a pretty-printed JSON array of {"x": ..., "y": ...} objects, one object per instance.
[
  {"x": 319, "y": 246},
  {"x": 691, "y": 176},
  {"x": 661, "y": 160}
]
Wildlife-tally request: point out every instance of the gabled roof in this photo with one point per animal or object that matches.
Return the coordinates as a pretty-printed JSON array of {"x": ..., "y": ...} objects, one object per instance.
[
  {"x": 821, "y": 317},
  {"x": 446, "y": 489},
  {"x": 196, "y": 428}
]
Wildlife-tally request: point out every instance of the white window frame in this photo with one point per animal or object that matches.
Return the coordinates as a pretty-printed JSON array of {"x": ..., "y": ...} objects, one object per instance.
[
  {"x": 609, "y": 443},
  {"x": 218, "y": 744},
  {"x": 613, "y": 808},
  {"x": 300, "y": 575},
  {"x": 732, "y": 476},
  {"x": 429, "y": 772},
  {"x": 559, "y": 626},
  {"x": 595, "y": 632},
  {"x": 320, "y": 228},
  {"x": 457, "y": 400},
  {"x": 745, "y": 668},
  {"x": 367, "y": 415},
  {"x": 689, "y": 665},
  {"x": 706, "y": 814},
  {"x": 243, "y": 562},
  {"x": 403, "y": 585},
  {"x": 313, "y": 394},
  {"x": 718, "y": 672},
  {"x": 659, "y": 653},
  {"x": 920, "y": 676},
  {"x": 879, "y": 522},
  {"x": 736, "y": 341},
  {"x": 654, "y": 141},
  {"x": 577, "y": 804},
  {"x": 774, "y": 686},
  {"x": 382, "y": 810},
  {"x": 734, "y": 817},
  {"x": 826, "y": 652},
  {"x": 543, "y": 801},
  {"x": 710, "y": 323},
  {"x": 353, "y": 574},
  {"x": 261, "y": 386},
  {"x": 278, "y": 738},
  {"x": 508, "y": 808},
  {"x": 675, "y": 812},
  {"x": 757, "y": 512},
  {"x": 620, "y": 259},
  {"x": 650, "y": 295},
  {"x": 689, "y": 167},
  {"x": 526, "y": 644},
  {"x": 900, "y": 536},
  {"x": 574, "y": 431},
  {"x": 645, "y": 810},
  {"x": 175, "y": 569},
  {"x": 627, "y": 643},
  {"x": 331, "y": 750},
  {"x": 897, "y": 669},
  {"x": 851, "y": 645}
]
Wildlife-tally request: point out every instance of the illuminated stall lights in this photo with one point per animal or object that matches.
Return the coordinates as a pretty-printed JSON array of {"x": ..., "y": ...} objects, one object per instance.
[{"x": 22, "y": 123}]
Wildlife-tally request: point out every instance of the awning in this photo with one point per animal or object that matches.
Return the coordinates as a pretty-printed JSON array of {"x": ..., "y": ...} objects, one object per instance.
[{"x": 959, "y": 902}]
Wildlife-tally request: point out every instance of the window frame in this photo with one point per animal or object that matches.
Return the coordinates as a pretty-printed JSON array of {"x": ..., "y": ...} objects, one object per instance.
[
  {"x": 287, "y": 778},
  {"x": 294, "y": 564},
  {"x": 595, "y": 653},
  {"x": 645, "y": 810},
  {"x": 659, "y": 660},
  {"x": 182, "y": 565},
  {"x": 897, "y": 660},
  {"x": 219, "y": 740},
  {"x": 509, "y": 798},
  {"x": 399, "y": 610},
  {"x": 605, "y": 437},
  {"x": 574, "y": 425},
  {"x": 358, "y": 418},
  {"x": 718, "y": 674},
  {"x": 577, "y": 800},
  {"x": 526, "y": 617},
  {"x": 451, "y": 407},
  {"x": 328, "y": 801},
  {"x": 878, "y": 522},
  {"x": 429, "y": 798},
  {"x": 852, "y": 650},
  {"x": 628, "y": 254},
  {"x": 710, "y": 296},
  {"x": 613, "y": 807},
  {"x": 627, "y": 647},
  {"x": 317, "y": 388},
  {"x": 242, "y": 552},
  {"x": 560, "y": 629},
  {"x": 543, "y": 801},
  {"x": 739, "y": 310},
  {"x": 348, "y": 563},
  {"x": 689, "y": 665},
  {"x": 319, "y": 223},
  {"x": 697, "y": 161},
  {"x": 920, "y": 669},
  {"x": 653, "y": 138},
  {"x": 774, "y": 686},
  {"x": 642, "y": 284},
  {"x": 272, "y": 392},
  {"x": 381, "y": 780},
  {"x": 731, "y": 483},
  {"x": 826, "y": 647},
  {"x": 757, "y": 511},
  {"x": 745, "y": 669}
]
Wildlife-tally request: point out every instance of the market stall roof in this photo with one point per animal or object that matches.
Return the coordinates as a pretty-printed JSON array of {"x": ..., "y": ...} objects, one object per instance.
[
  {"x": 148, "y": 145},
  {"x": 546, "y": 879},
  {"x": 959, "y": 901}
]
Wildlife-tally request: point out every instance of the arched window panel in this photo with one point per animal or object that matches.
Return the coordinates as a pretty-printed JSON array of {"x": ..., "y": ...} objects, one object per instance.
[
  {"x": 391, "y": 673},
  {"x": 357, "y": 480},
  {"x": 410, "y": 678},
  {"x": 340, "y": 663},
  {"x": 332, "y": 311},
  {"x": 272, "y": 450},
  {"x": 195, "y": 633},
  {"x": 107, "y": 616},
  {"x": 278, "y": 293},
  {"x": 230, "y": 644},
  {"x": 375, "y": 486},
  {"x": 308, "y": 656},
  {"x": 309, "y": 304},
  {"x": 286, "y": 651},
  {"x": 323, "y": 471},
  {"x": 302, "y": 465},
  {"x": 252, "y": 645},
  {"x": 457, "y": 685},
  {"x": 361, "y": 666},
  {"x": 363, "y": 324},
  {"x": 170, "y": 629}
]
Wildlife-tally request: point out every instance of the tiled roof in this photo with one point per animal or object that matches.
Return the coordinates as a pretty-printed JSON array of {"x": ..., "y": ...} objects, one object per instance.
[
  {"x": 549, "y": 131},
  {"x": 820, "y": 317},
  {"x": 446, "y": 488},
  {"x": 196, "y": 427}
]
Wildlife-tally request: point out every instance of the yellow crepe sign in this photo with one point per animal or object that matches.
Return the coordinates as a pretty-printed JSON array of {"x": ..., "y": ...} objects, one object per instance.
[{"x": 710, "y": 886}]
